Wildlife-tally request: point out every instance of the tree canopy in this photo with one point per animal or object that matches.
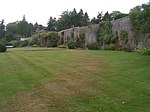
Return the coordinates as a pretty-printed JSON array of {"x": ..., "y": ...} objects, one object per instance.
[
  {"x": 69, "y": 19},
  {"x": 140, "y": 16}
]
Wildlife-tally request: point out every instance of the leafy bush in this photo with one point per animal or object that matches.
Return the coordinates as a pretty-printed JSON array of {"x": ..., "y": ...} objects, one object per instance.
[
  {"x": 93, "y": 46},
  {"x": 128, "y": 48},
  {"x": 124, "y": 36},
  {"x": 110, "y": 47},
  {"x": 33, "y": 41},
  {"x": 2, "y": 48},
  {"x": 61, "y": 46},
  {"x": 23, "y": 43},
  {"x": 104, "y": 32},
  {"x": 80, "y": 41},
  {"x": 71, "y": 44},
  {"x": 52, "y": 39},
  {"x": 139, "y": 16},
  {"x": 144, "y": 51},
  {"x": 35, "y": 45},
  {"x": 14, "y": 43},
  {"x": 45, "y": 39},
  {"x": 119, "y": 48}
]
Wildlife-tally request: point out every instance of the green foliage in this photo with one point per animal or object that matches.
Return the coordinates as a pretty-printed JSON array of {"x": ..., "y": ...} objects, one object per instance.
[
  {"x": 128, "y": 48},
  {"x": 18, "y": 29},
  {"x": 98, "y": 19},
  {"x": 144, "y": 51},
  {"x": 124, "y": 36},
  {"x": 33, "y": 41},
  {"x": 71, "y": 44},
  {"x": 117, "y": 15},
  {"x": 52, "y": 39},
  {"x": 70, "y": 19},
  {"x": 104, "y": 33},
  {"x": 120, "y": 15},
  {"x": 23, "y": 43},
  {"x": 110, "y": 47},
  {"x": 9, "y": 36},
  {"x": 93, "y": 46},
  {"x": 2, "y": 47},
  {"x": 119, "y": 48},
  {"x": 45, "y": 39},
  {"x": 61, "y": 46},
  {"x": 148, "y": 35},
  {"x": 106, "y": 17},
  {"x": 80, "y": 41},
  {"x": 52, "y": 24},
  {"x": 140, "y": 17},
  {"x": 15, "y": 43},
  {"x": 3, "y": 41},
  {"x": 2, "y": 29}
]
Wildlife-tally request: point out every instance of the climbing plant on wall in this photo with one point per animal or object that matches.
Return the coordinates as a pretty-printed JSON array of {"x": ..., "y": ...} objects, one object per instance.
[
  {"x": 104, "y": 33},
  {"x": 80, "y": 41},
  {"x": 140, "y": 16},
  {"x": 124, "y": 36}
]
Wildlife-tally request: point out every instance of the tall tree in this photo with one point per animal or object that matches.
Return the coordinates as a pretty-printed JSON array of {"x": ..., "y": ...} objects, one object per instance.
[
  {"x": 98, "y": 19},
  {"x": 23, "y": 27},
  {"x": 100, "y": 16},
  {"x": 86, "y": 19},
  {"x": 106, "y": 17},
  {"x": 35, "y": 27},
  {"x": 18, "y": 29},
  {"x": 30, "y": 29},
  {"x": 117, "y": 15},
  {"x": 51, "y": 24},
  {"x": 69, "y": 19},
  {"x": 2, "y": 29},
  {"x": 140, "y": 16}
]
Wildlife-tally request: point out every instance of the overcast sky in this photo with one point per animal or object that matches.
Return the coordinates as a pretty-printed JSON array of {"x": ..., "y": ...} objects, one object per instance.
[{"x": 40, "y": 10}]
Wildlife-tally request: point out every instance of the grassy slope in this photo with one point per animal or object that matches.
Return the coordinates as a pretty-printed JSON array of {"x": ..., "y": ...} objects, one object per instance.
[{"x": 43, "y": 80}]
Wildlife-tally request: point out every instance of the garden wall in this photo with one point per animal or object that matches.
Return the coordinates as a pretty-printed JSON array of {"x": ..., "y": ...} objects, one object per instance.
[{"x": 124, "y": 24}]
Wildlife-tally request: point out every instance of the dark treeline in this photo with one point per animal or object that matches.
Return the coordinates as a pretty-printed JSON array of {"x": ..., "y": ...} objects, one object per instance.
[
  {"x": 73, "y": 18},
  {"x": 68, "y": 19},
  {"x": 14, "y": 31}
]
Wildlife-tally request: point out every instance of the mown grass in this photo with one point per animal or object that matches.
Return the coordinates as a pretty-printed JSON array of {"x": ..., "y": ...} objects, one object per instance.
[{"x": 61, "y": 80}]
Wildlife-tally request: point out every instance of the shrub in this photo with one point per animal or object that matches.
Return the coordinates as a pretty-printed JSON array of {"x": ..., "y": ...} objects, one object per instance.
[
  {"x": 23, "y": 43},
  {"x": 52, "y": 39},
  {"x": 80, "y": 41},
  {"x": 35, "y": 45},
  {"x": 14, "y": 43},
  {"x": 124, "y": 36},
  {"x": 33, "y": 41},
  {"x": 92, "y": 46},
  {"x": 71, "y": 44},
  {"x": 3, "y": 48},
  {"x": 119, "y": 48},
  {"x": 110, "y": 47},
  {"x": 128, "y": 48},
  {"x": 144, "y": 51},
  {"x": 61, "y": 46}
]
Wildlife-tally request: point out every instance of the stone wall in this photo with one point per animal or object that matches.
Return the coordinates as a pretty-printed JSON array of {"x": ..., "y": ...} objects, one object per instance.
[
  {"x": 90, "y": 33},
  {"x": 135, "y": 40},
  {"x": 124, "y": 24}
]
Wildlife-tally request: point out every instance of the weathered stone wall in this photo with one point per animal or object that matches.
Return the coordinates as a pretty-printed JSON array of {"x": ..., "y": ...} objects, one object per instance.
[
  {"x": 90, "y": 33},
  {"x": 135, "y": 40},
  {"x": 124, "y": 24}
]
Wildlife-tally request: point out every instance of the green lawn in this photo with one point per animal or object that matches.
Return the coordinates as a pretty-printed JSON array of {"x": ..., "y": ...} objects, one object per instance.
[{"x": 61, "y": 80}]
